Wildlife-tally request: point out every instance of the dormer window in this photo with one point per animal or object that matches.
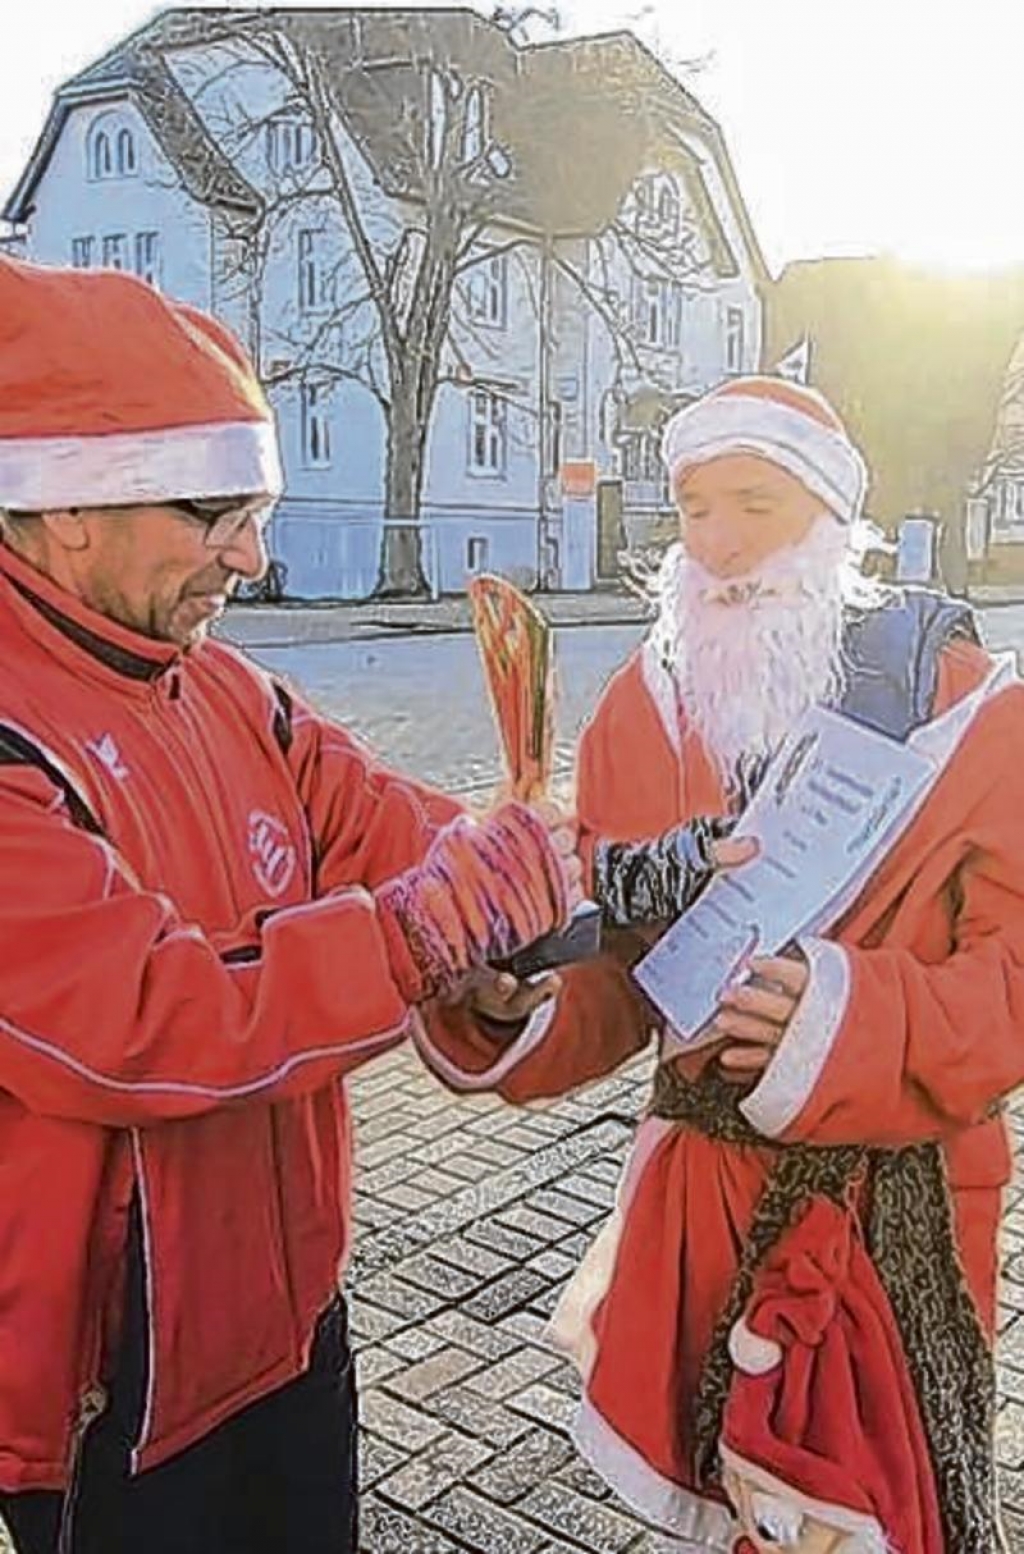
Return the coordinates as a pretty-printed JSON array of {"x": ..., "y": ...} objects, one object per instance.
[
  {"x": 125, "y": 152},
  {"x": 111, "y": 151}
]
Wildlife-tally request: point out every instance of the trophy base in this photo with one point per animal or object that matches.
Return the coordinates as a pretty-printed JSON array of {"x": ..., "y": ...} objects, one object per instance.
[{"x": 579, "y": 940}]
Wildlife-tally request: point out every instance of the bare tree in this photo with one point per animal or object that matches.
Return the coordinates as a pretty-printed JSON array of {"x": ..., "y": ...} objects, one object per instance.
[{"x": 391, "y": 293}]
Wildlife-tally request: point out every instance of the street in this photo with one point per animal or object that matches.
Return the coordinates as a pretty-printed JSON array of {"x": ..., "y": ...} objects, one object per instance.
[{"x": 471, "y": 1215}]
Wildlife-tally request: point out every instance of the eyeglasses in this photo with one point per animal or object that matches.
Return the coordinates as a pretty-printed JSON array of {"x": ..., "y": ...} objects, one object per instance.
[{"x": 224, "y": 518}]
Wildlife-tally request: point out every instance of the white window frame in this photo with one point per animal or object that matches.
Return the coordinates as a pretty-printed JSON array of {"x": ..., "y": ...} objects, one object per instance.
[
  {"x": 115, "y": 243},
  {"x": 659, "y": 304},
  {"x": 487, "y": 292},
  {"x": 475, "y": 124},
  {"x": 148, "y": 258},
  {"x": 735, "y": 339},
  {"x": 82, "y": 252},
  {"x": 290, "y": 145},
  {"x": 487, "y": 454},
  {"x": 127, "y": 161},
  {"x": 312, "y": 274},
  {"x": 478, "y": 551},
  {"x": 315, "y": 426}
]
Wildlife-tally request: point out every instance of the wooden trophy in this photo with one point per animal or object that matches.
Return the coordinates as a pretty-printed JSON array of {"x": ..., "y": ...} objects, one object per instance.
[{"x": 515, "y": 645}]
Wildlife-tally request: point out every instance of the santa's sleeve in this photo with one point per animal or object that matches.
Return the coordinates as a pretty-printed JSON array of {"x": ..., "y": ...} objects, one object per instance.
[
  {"x": 596, "y": 1022},
  {"x": 890, "y": 1046}
]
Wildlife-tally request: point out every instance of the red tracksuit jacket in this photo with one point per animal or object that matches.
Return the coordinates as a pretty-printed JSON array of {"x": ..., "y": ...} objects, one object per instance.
[{"x": 189, "y": 958}]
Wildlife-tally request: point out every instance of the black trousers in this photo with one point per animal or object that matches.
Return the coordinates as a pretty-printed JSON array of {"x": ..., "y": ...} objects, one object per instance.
[{"x": 278, "y": 1478}]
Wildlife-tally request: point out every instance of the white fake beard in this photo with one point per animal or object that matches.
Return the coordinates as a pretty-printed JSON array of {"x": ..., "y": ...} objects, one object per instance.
[{"x": 750, "y": 655}]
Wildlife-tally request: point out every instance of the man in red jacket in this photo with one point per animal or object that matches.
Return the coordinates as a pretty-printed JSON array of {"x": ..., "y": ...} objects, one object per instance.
[{"x": 215, "y": 904}]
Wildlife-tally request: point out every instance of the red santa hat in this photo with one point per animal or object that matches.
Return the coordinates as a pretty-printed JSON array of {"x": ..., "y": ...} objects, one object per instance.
[
  {"x": 821, "y": 1419},
  {"x": 112, "y": 395},
  {"x": 784, "y": 422}
]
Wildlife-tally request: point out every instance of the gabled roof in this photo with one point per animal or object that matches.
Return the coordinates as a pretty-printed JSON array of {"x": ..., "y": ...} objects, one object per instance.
[{"x": 580, "y": 117}]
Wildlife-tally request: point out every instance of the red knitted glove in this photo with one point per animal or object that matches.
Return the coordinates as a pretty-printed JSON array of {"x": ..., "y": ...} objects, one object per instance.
[{"x": 482, "y": 892}]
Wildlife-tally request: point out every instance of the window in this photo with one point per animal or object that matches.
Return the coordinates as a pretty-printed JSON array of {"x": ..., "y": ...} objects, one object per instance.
[
  {"x": 312, "y": 270},
  {"x": 477, "y": 551},
  {"x": 668, "y": 206},
  {"x": 81, "y": 252},
  {"x": 147, "y": 257},
  {"x": 115, "y": 251},
  {"x": 555, "y": 425},
  {"x": 487, "y": 292},
  {"x": 110, "y": 148},
  {"x": 658, "y": 304},
  {"x": 474, "y": 125},
  {"x": 101, "y": 158},
  {"x": 291, "y": 145},
  {"x": 316, "y": 426},
  {"x": 734, "y": 328},
  {"x": 487, "y": 421},
  {"x": 125, "y": 152}
]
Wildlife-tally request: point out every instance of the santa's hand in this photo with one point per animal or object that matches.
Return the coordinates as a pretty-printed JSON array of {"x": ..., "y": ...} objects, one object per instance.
[
  {"x": 756, "y": 1013},
  {"x": 499, "y": 998}
]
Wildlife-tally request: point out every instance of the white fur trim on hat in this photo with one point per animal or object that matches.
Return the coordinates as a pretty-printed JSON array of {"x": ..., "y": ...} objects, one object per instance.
[
  {"x": 822, "y": 458},
  {"x": 230, "y": 458},
  {"x": 751, "y": 1353}
]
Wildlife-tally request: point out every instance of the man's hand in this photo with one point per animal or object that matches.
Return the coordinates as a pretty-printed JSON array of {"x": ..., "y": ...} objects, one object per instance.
[
  {"x": 564, "y": 833},
  {"x": 498, "y": 997},
  {"x": 756, "y": 1013}
]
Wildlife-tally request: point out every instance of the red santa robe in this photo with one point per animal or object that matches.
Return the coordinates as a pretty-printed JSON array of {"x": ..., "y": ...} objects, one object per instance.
[{"x": 911, "y": 1026}]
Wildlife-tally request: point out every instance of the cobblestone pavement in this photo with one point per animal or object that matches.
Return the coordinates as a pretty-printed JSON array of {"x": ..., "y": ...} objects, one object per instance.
[{"x": 472, "y": 1214}]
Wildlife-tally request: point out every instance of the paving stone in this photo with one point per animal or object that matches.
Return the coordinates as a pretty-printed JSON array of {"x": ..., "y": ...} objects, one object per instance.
[
  {"x": 511, "y": 1474},
  {"x": 456, "y": 1327},
  {"x": 384, "y": 1289},
  {"x": 526, "y": 1325},
  {"x": 406, "y": 1197},
  {"x": 377, "y": 1458},
  {"x": 494, "y": 1152},
  {"x": 582, "y": 1480},
  {"x": 478, "y": 1417},
  {"x": 563, "y": 1206},
  {"x": 554, "y": 1265},
  {"x": 397, "y": 1423},
  {"x": 446, "y": 1279},
  {"x": 545, "y": 1404},
  {"x": 599, "y": 1528},
  {"x": 504, "y": 1295},
  {"x": 511, "y": 1242},
  {"x": 383, "y": 1530},
  {"x": 414, "y": 1343},
  {"x": 579, "y": 1185},
  {"x": 369, "y": 1324},
  {"x": 545, "y": 1227},
  {"x": 512, "y": 1374},
  {"x": 438, "y": 1467},
  {"x": 463, "y": 1253},
  {"x": 442, "y": 1369},
  {"x": 374, "y": 1363},
  {"x": 483, "y": 1527},
  {"x": 1010, "y": 1435},
  {"x": 544, "y": 1303}
]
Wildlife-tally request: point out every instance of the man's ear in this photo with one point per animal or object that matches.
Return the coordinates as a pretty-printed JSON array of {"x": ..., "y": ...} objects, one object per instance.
[{"x": 67, "y": 528}]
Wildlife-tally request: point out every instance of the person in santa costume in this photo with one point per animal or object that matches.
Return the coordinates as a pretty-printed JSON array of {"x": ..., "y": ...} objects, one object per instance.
[
  {"x": 844, "y": 1126},
  {"x": 216, "y": 903}
]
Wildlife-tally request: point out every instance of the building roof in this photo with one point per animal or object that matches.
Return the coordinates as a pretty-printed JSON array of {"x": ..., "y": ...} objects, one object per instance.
[
  {"x": 581, "y": 118},
  {"x": 914, "y": 361}
]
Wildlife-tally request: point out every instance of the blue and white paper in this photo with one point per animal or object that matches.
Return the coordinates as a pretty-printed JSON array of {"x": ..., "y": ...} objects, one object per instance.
[{"x": 834, "y": 799}]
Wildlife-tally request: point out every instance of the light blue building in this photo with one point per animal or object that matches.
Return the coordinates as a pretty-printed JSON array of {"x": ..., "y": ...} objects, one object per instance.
[{"x": 616, "y": 273}]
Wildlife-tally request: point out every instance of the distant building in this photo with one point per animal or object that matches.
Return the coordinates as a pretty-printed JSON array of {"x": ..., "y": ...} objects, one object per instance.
[
  {"x": 571, "y": 336},
  {"x": 915, "y": 361}
]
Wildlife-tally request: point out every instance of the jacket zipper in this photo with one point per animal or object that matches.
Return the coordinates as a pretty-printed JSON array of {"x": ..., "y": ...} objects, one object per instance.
[{"x": 92, "y": 1405}]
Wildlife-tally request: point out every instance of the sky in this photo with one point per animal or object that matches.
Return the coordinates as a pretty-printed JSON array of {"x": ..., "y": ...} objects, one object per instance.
[{"x": 855, "y": 126}]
